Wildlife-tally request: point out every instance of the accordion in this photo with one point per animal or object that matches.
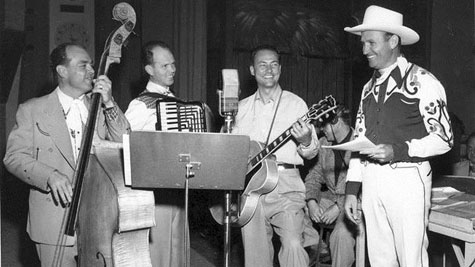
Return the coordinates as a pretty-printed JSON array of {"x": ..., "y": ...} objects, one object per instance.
[{"x": 175, "y": 115}]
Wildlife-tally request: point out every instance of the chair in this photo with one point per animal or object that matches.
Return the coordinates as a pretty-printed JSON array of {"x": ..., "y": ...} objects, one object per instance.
[
  {"x": 325, "y": 229},
  {"x": 360, "y": 248}
]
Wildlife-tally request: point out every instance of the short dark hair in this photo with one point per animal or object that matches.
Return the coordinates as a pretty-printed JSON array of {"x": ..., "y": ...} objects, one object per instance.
[
  {"x": 59, "y": 56},
  {"x": 263, "y": 47},
  {"x": 341, "y": 111},
  {"x": 147, "y": 54},
  {"x": 344, "y": 113}
]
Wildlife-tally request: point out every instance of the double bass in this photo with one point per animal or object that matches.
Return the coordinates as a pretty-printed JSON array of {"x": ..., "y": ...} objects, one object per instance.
[{"x": 111, "y": 221}]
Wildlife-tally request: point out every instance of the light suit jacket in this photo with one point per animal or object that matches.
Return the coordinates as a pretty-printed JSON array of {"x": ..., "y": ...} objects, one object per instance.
[{"x": 38, "y": 144}]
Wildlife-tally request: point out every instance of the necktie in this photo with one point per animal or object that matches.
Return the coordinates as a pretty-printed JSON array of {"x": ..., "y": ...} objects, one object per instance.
[{"x": 76, "y": 119}]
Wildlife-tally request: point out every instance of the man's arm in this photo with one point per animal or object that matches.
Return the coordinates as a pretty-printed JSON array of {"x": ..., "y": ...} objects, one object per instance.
[
  {"x": 136, "y": 115},
  {"x": 351, "y": 209},
  {"x": 313, "y": 184},
  {"x": 116, "y": 123},
  {"x": 314, "y": 181},
  {"x": 306, "y": 136},
  {"x": 433, "y": 109},
  {"x": 354, "y": 176},
  {"x": 22, "y": 159}
]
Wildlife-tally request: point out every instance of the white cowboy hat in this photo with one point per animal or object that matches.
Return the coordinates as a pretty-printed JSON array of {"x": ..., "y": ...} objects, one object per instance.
[{"x": 381, "y": 19}]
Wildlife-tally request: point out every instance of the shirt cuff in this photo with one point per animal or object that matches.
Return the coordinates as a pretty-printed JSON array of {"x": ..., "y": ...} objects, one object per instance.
[
  {"x": 111, "y": 113},
  {"x": 401, "y": 152},
  {"x": 352, "y": 188},
  {"x": 309, "y": 151}
]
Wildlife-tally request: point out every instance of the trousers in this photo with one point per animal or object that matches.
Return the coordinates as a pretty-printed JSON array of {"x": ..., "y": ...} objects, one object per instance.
[{"x": 395, "y": 203}]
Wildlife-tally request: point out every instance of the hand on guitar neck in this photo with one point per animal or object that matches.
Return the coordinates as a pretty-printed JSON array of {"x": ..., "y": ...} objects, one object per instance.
[
  {"x": 302, "y": 132},
  {"x": 262, "y": 176}
]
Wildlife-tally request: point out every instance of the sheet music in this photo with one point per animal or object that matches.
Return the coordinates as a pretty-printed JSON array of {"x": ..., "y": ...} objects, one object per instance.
[
  {"x": 127, "y": 172},
  {"x": 356, "y": 145}
]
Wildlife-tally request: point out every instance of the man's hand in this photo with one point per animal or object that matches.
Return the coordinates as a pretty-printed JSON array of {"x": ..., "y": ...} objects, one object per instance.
[
  {"x": 382, "y": 153},
  {"x": 60, "y": 187},
  {"x": 314, "y": 211},
  {"x": 302, "y": 132},
  {"x": 351, "y": 209},
  {"x": 103, "y": 86},
  {"x": 330, "y": 215}
]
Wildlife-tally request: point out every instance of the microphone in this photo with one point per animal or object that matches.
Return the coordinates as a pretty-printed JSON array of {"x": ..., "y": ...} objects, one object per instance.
[{"x": 229, "y": 96}]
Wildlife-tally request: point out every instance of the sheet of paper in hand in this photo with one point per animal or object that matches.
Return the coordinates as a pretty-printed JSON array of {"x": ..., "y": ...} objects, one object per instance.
[{"x": 356, "y": 145}]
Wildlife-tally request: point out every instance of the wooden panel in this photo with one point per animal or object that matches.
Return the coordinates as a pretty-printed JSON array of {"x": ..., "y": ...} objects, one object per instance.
[
  {"x": 310, "y": 78},
  {"x": 299, "y": 77},
  {"x": 246, "y": 80},
  {"x": 35, "y": 74},
  {"x": 315, "y": 82},
  {"x": 285, "y": 80}
]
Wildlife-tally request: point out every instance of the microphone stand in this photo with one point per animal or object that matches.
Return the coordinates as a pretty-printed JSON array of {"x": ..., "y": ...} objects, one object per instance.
[
  {"x": 228, "y": 115},
  {"x": 228, "y": 120}
]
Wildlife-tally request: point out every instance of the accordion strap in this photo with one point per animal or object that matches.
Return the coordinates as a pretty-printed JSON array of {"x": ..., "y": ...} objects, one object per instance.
[{"x": 159, "y": 96}]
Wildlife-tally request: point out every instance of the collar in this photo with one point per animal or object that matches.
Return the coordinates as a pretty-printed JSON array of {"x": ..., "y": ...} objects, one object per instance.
[
  {"x": 274, "y": 97},
  {"x": 384, "y": 72},
  {"x": 156, "y": 88},
  {"x": 395, "y": 72},
  {"x": 66, "y": 100},
  {"x": 346, "y": 139}
]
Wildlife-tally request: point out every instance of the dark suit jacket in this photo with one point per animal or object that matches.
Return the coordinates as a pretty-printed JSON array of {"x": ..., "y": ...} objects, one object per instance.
[{"x": 38, "y": 144}]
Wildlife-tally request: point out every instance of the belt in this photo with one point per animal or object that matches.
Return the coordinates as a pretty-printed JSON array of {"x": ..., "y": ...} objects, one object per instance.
[{"x": 288, "y": 166}]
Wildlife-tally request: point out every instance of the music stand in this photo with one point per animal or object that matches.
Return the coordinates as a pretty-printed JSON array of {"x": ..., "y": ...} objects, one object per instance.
[{"x": 168, "y": 159}]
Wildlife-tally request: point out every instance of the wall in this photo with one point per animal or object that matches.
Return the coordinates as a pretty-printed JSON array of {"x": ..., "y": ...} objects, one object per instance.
[
  {"x": 452, "y": 55},
  {"x": 314, "y": 55}
]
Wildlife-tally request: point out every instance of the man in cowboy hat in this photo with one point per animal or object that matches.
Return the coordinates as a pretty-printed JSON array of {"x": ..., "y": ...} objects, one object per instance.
[{"x": 403, "y": 110}]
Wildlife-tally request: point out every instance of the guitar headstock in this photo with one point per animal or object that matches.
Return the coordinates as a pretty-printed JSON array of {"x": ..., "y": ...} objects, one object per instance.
[{"x": 323, "y": 109}]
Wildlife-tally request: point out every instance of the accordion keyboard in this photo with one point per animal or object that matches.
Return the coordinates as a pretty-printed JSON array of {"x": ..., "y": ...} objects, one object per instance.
[{"x": 181, "y": 117}]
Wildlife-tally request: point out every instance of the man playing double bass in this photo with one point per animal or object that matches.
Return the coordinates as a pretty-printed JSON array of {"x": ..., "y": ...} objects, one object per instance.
[{"x": 44, "y": 145}]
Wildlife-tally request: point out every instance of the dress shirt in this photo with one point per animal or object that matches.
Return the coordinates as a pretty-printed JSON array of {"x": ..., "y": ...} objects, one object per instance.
[
  {"x": 140, "y": 115},
  {"x": 75, "y": 112},
  {"x": 254, "y": 118}
]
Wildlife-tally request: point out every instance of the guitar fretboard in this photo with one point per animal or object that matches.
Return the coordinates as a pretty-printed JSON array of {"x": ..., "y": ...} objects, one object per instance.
[
  {"x": 273, "y": 146},
  {"x": 315, "y": 112}
]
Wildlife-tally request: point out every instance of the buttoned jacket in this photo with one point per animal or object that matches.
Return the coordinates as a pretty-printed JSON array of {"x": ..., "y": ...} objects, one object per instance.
[
  {"x": 39, "y": 144},
  {"x": 323, "y": 173}
]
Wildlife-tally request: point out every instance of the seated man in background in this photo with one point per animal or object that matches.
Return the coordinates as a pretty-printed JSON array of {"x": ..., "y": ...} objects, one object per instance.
[
  {"x": 466, "y": 167},
  {"x": 327, "y": 207}
]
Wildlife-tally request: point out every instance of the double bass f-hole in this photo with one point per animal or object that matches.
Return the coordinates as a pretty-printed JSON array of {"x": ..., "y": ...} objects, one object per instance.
[{"x": 125, "y": 14}]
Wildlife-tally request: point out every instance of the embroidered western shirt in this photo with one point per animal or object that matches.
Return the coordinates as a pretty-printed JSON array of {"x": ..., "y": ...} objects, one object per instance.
[{"x": 407, "y": 108}]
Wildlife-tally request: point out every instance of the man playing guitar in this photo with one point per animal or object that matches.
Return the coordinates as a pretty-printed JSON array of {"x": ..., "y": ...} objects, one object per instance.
[{"x": 264, "y": 116}]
